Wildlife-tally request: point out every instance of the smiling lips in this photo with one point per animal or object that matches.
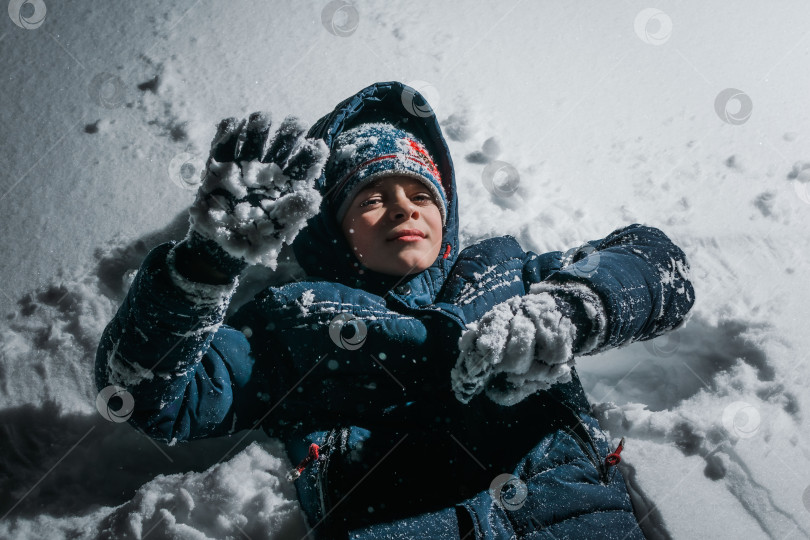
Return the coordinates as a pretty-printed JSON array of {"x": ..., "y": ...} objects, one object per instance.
[{"x": 407, "y": 235}]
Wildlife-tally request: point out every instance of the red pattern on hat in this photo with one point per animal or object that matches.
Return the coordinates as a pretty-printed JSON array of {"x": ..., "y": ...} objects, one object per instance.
[
  {"x": 416, "y": 152},
  {"x": 420, "y": 152}
]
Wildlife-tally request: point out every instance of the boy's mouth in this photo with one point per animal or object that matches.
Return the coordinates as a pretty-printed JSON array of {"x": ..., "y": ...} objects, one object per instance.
[{"x": 407, "y": 235}]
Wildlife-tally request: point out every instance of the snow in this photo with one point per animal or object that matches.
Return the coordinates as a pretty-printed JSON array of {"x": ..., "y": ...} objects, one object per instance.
[
  {"x": 593, "y": 307},
  {"x": 508, "y": 340},
  {"x": 528, "y": 341},
  {"x": 109, "y": 112},
  {"x": 266, "y": 207},
  {"x": 307, "y": 297},
  {"x": 247, "y": 495}
]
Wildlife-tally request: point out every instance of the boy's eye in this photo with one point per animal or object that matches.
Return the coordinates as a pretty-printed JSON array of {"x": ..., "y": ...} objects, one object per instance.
[
  {"x": 369, "y": 202},
  {"x": 419, "y": 197}
]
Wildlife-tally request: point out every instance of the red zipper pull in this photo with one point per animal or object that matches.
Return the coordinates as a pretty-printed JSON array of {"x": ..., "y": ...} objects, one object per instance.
[
  {"x": 312, "y": 455},
  {"x": 614, "y": 458}
]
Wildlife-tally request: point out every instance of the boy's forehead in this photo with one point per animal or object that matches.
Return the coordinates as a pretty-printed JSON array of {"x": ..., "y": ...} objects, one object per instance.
[
  {"x": 373, "y": 185},
  {"x": 376, "y": 183}
]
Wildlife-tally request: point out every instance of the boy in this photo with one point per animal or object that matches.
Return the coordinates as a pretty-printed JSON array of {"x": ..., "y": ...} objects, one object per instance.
[{"x": 371, "y": 370}]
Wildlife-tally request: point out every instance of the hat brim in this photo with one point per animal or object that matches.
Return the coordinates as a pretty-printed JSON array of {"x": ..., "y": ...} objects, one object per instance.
[{"x": 378, "y": 171}]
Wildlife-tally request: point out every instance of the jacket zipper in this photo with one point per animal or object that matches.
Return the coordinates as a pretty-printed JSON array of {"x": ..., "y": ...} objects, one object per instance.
[
  {"x": 589, "y": 448},
  {"x": 336, "y": 439}
]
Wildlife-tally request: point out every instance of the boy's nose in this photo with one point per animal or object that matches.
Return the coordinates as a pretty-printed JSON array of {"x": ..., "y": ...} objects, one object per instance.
[{"x": 403, "y": 207}]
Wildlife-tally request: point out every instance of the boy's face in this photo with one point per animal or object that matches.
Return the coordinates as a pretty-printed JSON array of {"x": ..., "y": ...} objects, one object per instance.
[{"x": 379, "y": 216}]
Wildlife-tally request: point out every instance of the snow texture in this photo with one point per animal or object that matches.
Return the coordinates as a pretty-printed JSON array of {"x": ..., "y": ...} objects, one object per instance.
[
  {"x": 246, "y": 496},
  {"x": 592, "y": 304},
  {"x": 526, "y": 342}
]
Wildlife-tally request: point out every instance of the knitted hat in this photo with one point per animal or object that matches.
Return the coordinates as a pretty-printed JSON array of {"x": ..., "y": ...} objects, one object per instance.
[{"x": 367, "y": 152}]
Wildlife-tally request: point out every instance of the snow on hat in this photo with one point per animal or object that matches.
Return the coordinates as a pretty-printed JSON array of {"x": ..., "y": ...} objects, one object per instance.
[{"x": 366, "y": 152}]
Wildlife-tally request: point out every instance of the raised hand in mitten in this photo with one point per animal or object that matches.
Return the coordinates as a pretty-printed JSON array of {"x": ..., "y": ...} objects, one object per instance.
[
  {"x": 528, "y": 343},
  {"x": 258, "y": 190}
]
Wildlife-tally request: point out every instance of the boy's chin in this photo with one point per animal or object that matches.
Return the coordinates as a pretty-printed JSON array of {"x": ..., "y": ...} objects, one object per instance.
[{"x": 401, "y": 266}]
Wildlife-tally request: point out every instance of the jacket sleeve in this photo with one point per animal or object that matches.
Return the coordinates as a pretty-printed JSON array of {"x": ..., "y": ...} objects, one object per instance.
[
  {"x": 189, "y": 375},
  {"x": 642, "y": 278}
]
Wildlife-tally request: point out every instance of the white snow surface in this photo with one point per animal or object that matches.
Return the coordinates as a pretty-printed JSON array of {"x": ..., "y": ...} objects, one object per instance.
[{"x": 607, "y": 111}]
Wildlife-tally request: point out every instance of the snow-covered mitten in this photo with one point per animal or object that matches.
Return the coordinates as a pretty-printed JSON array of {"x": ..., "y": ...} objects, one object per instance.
[
  {"x": 258, "y": 190},
  {"x": 528, "y": 343}
]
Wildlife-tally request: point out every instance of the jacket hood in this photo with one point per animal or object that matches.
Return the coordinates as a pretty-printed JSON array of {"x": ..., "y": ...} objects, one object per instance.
[{"x": 323, "y": 252}]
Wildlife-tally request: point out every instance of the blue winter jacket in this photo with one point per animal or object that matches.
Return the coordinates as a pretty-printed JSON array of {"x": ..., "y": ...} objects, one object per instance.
[{"x": 400, "y": 457}]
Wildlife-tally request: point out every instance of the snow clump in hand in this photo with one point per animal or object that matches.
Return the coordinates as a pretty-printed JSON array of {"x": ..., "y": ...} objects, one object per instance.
[
  {"x": 517, "y": 348},
  {"x": 251, "y": 207}
]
